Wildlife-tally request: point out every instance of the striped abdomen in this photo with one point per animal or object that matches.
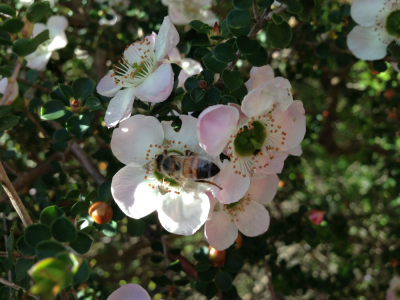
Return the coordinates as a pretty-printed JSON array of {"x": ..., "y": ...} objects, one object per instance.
[{"x": 197, "y": 168}]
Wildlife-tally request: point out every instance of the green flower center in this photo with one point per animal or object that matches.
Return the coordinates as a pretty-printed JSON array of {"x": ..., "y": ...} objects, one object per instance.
[
  {"x": 250, "y": 140},
  {"x": 393, "y": 23},
  {"x": 159, "y": 176}
]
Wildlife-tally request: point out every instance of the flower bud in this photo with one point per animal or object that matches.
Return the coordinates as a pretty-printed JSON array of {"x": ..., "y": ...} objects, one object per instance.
[
  {"x": 101, "y": 212},
  {"x": 75, "y": 105},
  {"x": 216, "y": 258},
  {"x": 239, "y": 241},
  {"x": 316, "y": 216},
  {"x": 202, "y": 84}
]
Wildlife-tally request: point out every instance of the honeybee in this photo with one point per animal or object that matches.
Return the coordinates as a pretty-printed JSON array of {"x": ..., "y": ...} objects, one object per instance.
[{"x": 189, "y": 167}]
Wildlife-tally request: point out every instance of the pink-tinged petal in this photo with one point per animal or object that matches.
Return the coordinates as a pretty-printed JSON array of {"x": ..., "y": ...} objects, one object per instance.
[
  {"x": 176, "y": 16},
  {"x": 133, "y": 194},
  {"x": 296, "y": 151},
  {"x": 274, "y": 162},
  {"x": 120, "y": 107},
  {"x": 167, "y": 39},
  {"x": 215, "y": 126},
  {"x": 158, "y": 85},
  {"x": 14, "y": 92},
  {"x": 220, "y": 232},
  {"x": 368, "y": 43},
  {"x": 293, "y": 122},
  {"x": 59, "y": 42},
  {"x": 174, "y": 56},
  {"x": 186, "y": 136},
  {"x": 316, "y": 216},
  {"x": 191, "y": 66},
  {"x": 208, "y": 17},
  {"x": 263, "y": 190},
  {"x": 234, "y": 186},
  {"x": 184, "y": 213},
  {"x": 213, "y": 202},
  {"x": 38, "y": 60},
  {"x": 242, "y": 117},
  {"x": 253, "y": 220},
  {"x": 182, "y": 78},
  {"x": 3, "y": 85},
  {"x": 131, "y": 141},
  {"x": 366, "y": 12},
  {"x": 259, "y": 75},
  {"x": 56, "y": 25},
  {"x": 106, "y": 87},
  {"x": 129, "y": 291}
]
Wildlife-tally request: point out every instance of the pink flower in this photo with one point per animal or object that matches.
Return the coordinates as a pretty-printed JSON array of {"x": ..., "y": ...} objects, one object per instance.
[
  {"x": 129, "y": 291},
  {"x": 316, "y": 216},
  {"x": 189, "y": 66},
  {"x": 248, "y": 215},
  {"x": 258, "y": 136},
  {"x": 142, "y": 72}
]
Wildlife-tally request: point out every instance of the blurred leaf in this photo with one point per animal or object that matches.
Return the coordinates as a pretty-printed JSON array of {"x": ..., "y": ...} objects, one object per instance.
[
  {"x": 136, "y": 227},
  {"x": 191, "y": 83},
  {"x": 202, "y": 266},
  {"x": 52, "y": 110},
  {"x": 24, "y": 248},
  {"x": 200, "y": 52},
  {"x": 223, "y": 281},
  {"x": 47, "y": 249},
  {"x": 22, "y": 267},
  {"x": 238, "y": 18},
  {"x": 105, "y": 191},
  {"x": 83, "y": 273},
  {"x": 5, "y": 72},
  {"x": 212, "y": 96},
  {"x": 41, "y": 37},
  {"x": 200, "y": 26},
  {"x": 82, "y": 243},
  {"x": 197, "y": 94},
  {"x": 13, "y": 25},
  {"x": 226, "y": 99},
  {"x": 62, "y": 135},
  {"x": 80, "y": 207},
  {"x": 24, "y": 47},
  {"x": 49, "y": 214},
  {"x": 233, "y": 263},
  {"x": 78, "y": 125},
  {"x": 109, "y": 229},
  {"x": 63, "y": 230},
  {"x": 7, "y": 10},
  {"x": 37, "y": 11},
  {"x": 265, "y": 3},
  {"x": 177, "y": 70},
  {"x": 242, "y": 4},
  {"x": 279, "y": 35},
  {"x": 37, "y": 233},
  {"x": 8, "y": 122}
]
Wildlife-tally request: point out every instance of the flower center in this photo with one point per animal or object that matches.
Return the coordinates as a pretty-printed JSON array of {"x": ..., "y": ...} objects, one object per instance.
[
  {"x": 250, "y": 139},
  {"x": 240, "y": 206},
  {"x": 163, "y": 178},
  {"x": 393, "y": 23},
  {"x": 137, "y": 63}
]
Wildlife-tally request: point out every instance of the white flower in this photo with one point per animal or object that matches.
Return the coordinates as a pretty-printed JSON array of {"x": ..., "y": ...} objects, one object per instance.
[
  {"x": 142, "y": 72},
  {"x": 139, "y": 188},
  {"x": 129, "y": 291},
  {"x": 247, "y": 215},
  {"x": 58, "y": 40},
  {"x": 3, "y": 88},
  {"x": 378, "y": 26},
  {"x": 110, "y": 22},
  {"x": 393, "y": 292},
  {"x": 184, "y": 11},
  {"x": 189, "y": 66}
]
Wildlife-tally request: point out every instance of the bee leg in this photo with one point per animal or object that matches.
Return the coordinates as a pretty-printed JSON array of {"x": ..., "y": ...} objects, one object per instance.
[
  {"x": 165, "y": 151},
  {"x": 209, "y": 182},
  {"x": 188, "y": 152}
]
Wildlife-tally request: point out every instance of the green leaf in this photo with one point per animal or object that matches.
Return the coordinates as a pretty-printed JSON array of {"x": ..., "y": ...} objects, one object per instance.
[
  {"x": 78, "y": 125},
  {"x": 265, "y": 3},
  {"x": 7, "y": 10},
  {"x": 208, "y": 76},
  {"x": 233, "y": 263},
  {"x": 223, "y": 281},
  {"x": 5, "y": 38},
  {"x": 91, "y": 196},
  {"x": 22, "y": 267},
  {"x": 208, "y": 275},
  {"x": 200, "y": 52},
  {"x": 224, "y": 53},
  {"x": 82, "y": 243},
  {"x": 13, "y": 25},
  {"x": 246, "y": 45},
  {"x": 52, "y": 110},
  {"x": 47, "y": 249},
  {"x": 212, "y": 96},
  {"x": 258, "y": 59},
  {"x": 37, "y": 11},
  {"x": 379, "y": 65},
  {"x": 82, "y": 88},
  {"x": 232, "y": 79},
  {"x": 5, "y": 109},
  {"x": 80, "y": 207},
  {"x": 49, "y": 214},
  {"x": 197, "y": 94},
  {"x": 41, "y": 37},
  {"x": 279, "y": 36},
  {"x": 200, "y": 26},
  {"x": 105, "y": 191},
  {"x": 136, "y": 227},
  {"x": 211, "y": 290},
  {"x": 202, "y": 42},
  {"x": 93, "y": 104},
  {"x": 191, "y": 83},
  {"x": 238, "y": 19},
  {"x": 10, "y": 246},
  {"x": 62, "y": 135},
  {"x": 24, "y": 248},
  {"x": 8, "y": 122},
  {"x": 83, "y": 273},
  {"x": 109, "y": 229},
  {"x": 58, "y": 95},
  {"x": 67, "y": 91},
  {"x": 72, "y": 194},
  {"x": 242, "y": 4},
  {"x": 241, "y": 31},
  {"x": 24, "y": 47},
  {"x": 63, "y": 230},
  {"x": 277, "y": 19},
  {"x": 5, "y": 72},
  {"x": 228, "y": 99},
  {"x": 161, "y": 280},
  {"x": 31, "y": 76},
  {"x": 201, "y": 254},
  {"x": 37, "y": 233},
  {"x": 293, "y": 6},
  {"x": 188, "y": 105},
  {"x": 335, "y": 17},
  {"x": 212, "y": 64},
  {"x": 202, "y": 266}
]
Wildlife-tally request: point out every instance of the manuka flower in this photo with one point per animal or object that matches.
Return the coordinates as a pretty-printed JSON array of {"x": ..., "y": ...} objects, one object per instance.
[
  {"x": 378, "y": 26},
  {"x": 258, "y": 136},
  {"x": 140, "y": 188},
  {"x": 129, "y": 291},
  {"x": 58, "y": 40},
  {"x": 189, "y": 66},
  {"x": 183, "y": 12},
  {"x": 142, "y": 72},
  {"x": 247, "y": 215}
]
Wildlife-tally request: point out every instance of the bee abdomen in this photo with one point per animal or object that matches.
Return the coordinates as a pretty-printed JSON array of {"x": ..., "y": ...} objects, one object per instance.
[{"x": 206, "y": 169}]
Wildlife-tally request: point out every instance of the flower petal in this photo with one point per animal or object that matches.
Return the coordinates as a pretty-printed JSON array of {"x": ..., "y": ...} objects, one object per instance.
[
  {"x": 191, "y": 66},
  {"x": 215, "y": 126},
  {"x": 220, "y": 232},
  {"x": 176, "y": 16},
  {"x": 129, "y": 291},
  {"x": 274, "y": 165},
  {"x": 234, "y": 186},
  {"x": 296, "y": 151},
  {"x": 56, "y": 25},
  {"x": 38, "y": 28},
  {"x": 174, "y": 56},
  {"x": 367, "y": 43},
  {"x": 213, "y": 203},
  {"x": 158, "y": 85},
  {"x": 38, "y": 60},
  {"x": 259, "y": 75},
  {"x": 184, "y": 213},
  {"x": 133, "y": 194},
  {"x": 120, "y": 107},
  {"x": 263, "y": 190},
  {"x": 106, "y": 87},
  {"x": 366, "y": 12},
  {"x": 167, "y": 39},
  {"x": 14, "y": 92},
  {"x": 131, "y": 141},
  {"x": 254, "y": 220},
  {"x": 59, "y": 42}
]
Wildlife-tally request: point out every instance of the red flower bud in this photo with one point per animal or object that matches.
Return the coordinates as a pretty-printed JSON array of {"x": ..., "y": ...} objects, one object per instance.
[
  {"x": 101, "y": 212},
  {"x": 216, "y": 258},
  {"x": 316, "y": 216}
]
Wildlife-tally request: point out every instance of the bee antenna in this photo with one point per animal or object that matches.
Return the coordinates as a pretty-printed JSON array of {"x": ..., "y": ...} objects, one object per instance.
[{"x": 209, "y": 182}]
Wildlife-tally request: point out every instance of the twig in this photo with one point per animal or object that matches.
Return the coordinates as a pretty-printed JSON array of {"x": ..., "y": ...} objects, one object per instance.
[
  {"x": 187, "y": 266},
  {"x": 175, "y": 108},
  {"x": 270, "y": 286},
  {"x": 36, "y": 86},
  {"x": 5, "y": 244},
  {"x": 10, "y": 85},
  {"x": 16, "y": 255},
  {"x": 255, "y": 11},
  {"x": 64, "y": 295},
  {"x": 34, "y": 120},
  {"x": 13, "y": 195},
  {"x": 17, "y": 287}
]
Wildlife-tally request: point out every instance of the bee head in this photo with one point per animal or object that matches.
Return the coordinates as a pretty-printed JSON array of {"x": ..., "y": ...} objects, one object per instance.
[{"x": 159, "y": 159}]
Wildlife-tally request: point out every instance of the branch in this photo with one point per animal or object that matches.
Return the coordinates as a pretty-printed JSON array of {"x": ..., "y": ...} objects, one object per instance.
[
  {"x": 187, "y": 266},
  {"x": 13, "y": 195},
  {"x": 17, "y": 287},
  {"x": 270, "y": 286},
  {"x": 36, "y": 86},
  {"x": 16, "y": 255},
  {"x": 10, "y": 85}
]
